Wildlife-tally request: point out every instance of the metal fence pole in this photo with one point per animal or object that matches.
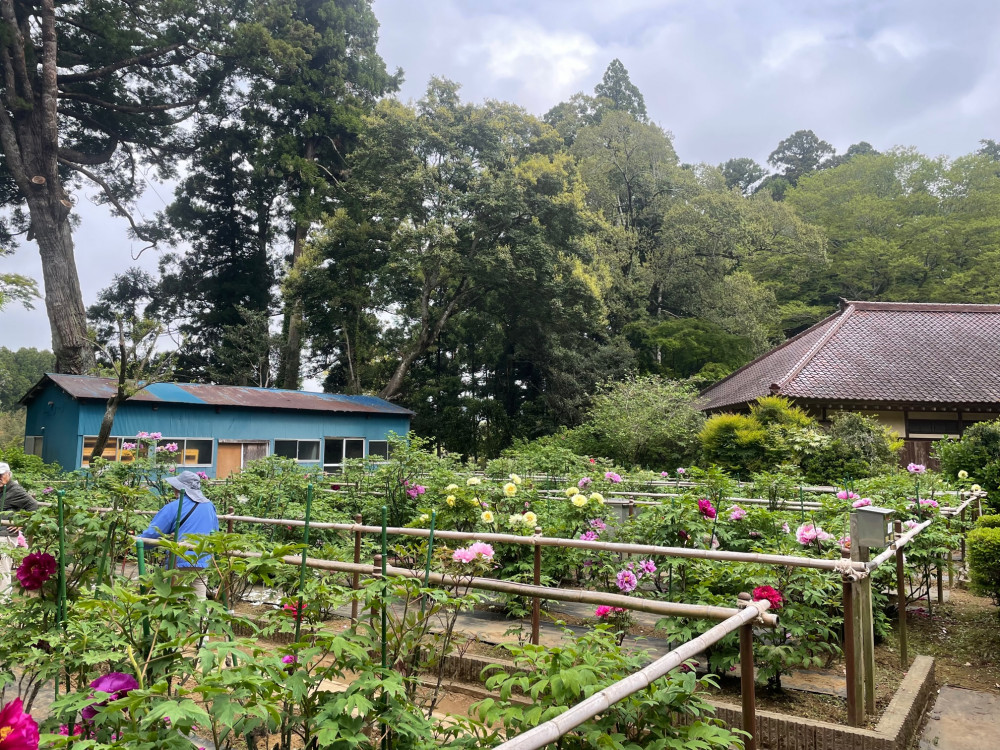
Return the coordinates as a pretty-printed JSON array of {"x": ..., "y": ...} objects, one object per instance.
[{"x": 356, "y": 577}]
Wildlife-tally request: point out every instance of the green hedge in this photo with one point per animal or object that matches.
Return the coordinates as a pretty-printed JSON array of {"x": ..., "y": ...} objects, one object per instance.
[
  {"x": 983, "y": 546},
  {"x": 988, "y": 522}
]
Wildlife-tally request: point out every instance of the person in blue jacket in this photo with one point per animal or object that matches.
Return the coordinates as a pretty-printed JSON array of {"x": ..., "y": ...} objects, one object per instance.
[{"x": 190, "y": 512}]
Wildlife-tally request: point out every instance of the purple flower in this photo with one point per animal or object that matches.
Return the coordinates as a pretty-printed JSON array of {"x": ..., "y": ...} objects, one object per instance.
[
  {"x": 627, "y": 581},
  {"x": 598, "y": 524},
  {"x": 682, "y": 472},
  {"x": 612, "y": 477},
  {"x": 584, "y": 483},
  {"x": 128, "y": 446},
  {"x": 47, "y": 490},
  {"x": 116, "y": 685},
  {"x": 916, "y": 468},
  {"x": 737, "y": 513},
  {"x": 142, "y": 435},
  {"x": 289, "y": 659},
  {"x": 648, "y": 566},
  {"x": 589, "y": 536},
  {"x": 156, "y": 436},
  {"x": 202, "y": 475},
  {"x": 35, "y": 569}
]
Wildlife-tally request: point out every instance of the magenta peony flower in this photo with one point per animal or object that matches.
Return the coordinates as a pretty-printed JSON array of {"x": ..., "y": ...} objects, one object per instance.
[
  {"x": 627, "y": 581},
  {"x": 115, "y": 684},
  {"x": 18, "y": 731},
  {"x": 647, "y": 566},
  {"x": 34, "y": 570},
  {"x": 604, "y": 610},
  {"x": 598, "y": 524},
  {"x": 706, "y": 508},
  {"x": 771, "y": 594},
  {"x": 589, "y": 536},
  {"x": 202, "y": 475},
  {"x": 289, "y": 659}
]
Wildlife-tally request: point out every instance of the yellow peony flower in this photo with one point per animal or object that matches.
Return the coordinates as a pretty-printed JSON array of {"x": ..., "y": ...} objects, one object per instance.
[
  {"x": 976, "y": 488},
  {"x": 515, "y": 478},
  {"x": 473, "y": 481},
  {"x": 424, "y": 518},
  {"x": 487, "y": 516},
  {"x": 963, "y": 474},
  {"x": 451, "y": 488},
  {"x": 597, "y": 497},
  {"x": 473, "y": 501},
  {"x": 510, "y": 489},
  {"x": 570, "y": 491},
  {"x": 450, "y": 500},
  {"x": 530, "y": 518},
  {"x": 579, "y": 500}
]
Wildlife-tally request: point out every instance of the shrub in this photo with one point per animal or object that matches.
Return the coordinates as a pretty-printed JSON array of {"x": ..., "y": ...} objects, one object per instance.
[
  {"x": 988, "y": 522},
  {"x": 644, "y": 421},
  {"x": 983, "y": 545},
  {"x": 777, "y": 410},
  {"x": 858, "y": 446},
  {"x": 735, "y": 442},
  {"x": 978, "y": 452}
]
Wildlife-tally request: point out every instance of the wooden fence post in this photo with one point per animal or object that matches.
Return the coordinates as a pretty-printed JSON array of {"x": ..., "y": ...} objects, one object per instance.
[
  {"x": 747, "y": 687},
  {"x": 536, "y": 603},
  {"x": 901, "y": 598},
  {"x": 356, "y": 576},
  {"x": 855, "y": 688}
]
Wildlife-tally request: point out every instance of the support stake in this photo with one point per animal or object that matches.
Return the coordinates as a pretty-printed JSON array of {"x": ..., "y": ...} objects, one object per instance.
[{"x": 536, "y": 604}]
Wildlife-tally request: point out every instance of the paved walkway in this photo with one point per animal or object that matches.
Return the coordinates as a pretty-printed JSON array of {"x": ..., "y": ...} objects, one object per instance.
[{"x": 962, "y": 720}]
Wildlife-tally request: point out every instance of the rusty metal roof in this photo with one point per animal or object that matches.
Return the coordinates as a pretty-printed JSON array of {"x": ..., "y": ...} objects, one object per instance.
[
  {"x": 86, "y": 387},
  {"x": 879, "y": 352}
]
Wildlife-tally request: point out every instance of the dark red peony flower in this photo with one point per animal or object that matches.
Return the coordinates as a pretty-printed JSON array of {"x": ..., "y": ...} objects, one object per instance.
[
  {"x": 35, "y": 570},
  {"x": 18, "y": 731},
  {"x": 771, "y": 594},
  {"x": 115, "y": 684}
]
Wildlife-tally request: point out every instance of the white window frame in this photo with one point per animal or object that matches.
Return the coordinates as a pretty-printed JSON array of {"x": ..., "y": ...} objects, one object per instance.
[
  {"x": 336, "y": 468},
  {"x": 298, "y": 441},
  {"x": 181, "y": 442}
]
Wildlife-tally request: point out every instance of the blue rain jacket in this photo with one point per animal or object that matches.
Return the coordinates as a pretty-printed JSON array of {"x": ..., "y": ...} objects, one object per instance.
[{"x": 202, "y": 521}]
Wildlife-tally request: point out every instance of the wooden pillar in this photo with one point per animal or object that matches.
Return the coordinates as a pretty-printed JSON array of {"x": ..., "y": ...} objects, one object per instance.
[
  {"x": 901, "y": 599},
  {"x": 855, "y": 687},
  {"x": 747, "y": 689},
  {"x": 865, "y": 635}
]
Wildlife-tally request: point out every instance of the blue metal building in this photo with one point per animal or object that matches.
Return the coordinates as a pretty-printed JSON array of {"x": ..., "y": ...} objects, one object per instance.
[{"x": 218, "y": 428}]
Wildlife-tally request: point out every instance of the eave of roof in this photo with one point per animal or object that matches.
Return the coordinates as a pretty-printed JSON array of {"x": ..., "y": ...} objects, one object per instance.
[{"x": 85, "y": 387}]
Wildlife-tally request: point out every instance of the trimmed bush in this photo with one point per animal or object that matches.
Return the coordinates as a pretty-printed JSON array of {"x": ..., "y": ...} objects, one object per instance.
[
  {"x": 988, "y": 522},
  {"x": 983, "y": 546},
  {"x": 858, "y": 447},
  {"x": 978, "y": 452}
]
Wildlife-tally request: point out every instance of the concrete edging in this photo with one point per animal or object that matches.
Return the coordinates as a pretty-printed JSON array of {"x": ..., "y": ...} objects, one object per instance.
[{"x": 898, "y": 724}]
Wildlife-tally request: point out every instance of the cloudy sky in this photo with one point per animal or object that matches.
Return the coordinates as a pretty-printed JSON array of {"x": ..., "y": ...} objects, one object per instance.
[{"x": 725, "y": 77}]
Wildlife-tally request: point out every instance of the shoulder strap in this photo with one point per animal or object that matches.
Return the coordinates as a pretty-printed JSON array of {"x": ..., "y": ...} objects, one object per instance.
[{"x": 194, "y": 507}]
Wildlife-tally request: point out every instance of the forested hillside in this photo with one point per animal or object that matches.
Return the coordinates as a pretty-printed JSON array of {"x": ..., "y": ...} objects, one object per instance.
[{"x": 482, "y": 265}]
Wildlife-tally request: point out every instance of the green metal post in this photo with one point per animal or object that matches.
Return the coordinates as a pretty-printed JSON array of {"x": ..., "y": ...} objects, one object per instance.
[
  {"x": 385, "y": 551},
  {"x": 61, "y": 608},
  {"x": 140, "y": 551},
  {"x": 302, "y": 567}
]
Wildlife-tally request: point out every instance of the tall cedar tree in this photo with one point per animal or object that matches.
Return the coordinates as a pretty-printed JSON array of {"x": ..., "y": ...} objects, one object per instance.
[{"x": 92, "y": 93}]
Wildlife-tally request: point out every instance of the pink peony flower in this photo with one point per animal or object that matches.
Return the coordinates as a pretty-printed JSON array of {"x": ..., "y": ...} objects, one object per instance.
[
  {"x": 910, "y": 524},
  {"x": 289, "y": 659},
  {"x": 771, "y": 594},
  {"x": 847, "y": 495},
  {"x": 785, "y": 528},
  {"x": 156, "y": 436},
  {"x": 664, "y": 473},
  {"x": 463, "y": 556},
  {"x": 21, "y": 541},
  {"x": 865, "y": 501},
  {"x": 612, "y": 477},
  {"x": 706, "y": 508},
  {"x": 598, "y": 524},
  {"x": 929, "y": 503},
  {"x": 589, "y": 536},
  {"x": 18, "y": 731},
  {"x": 916, "y": 468},
  {"x": 647, "y": 566},
  {"x": 481, "y": 548},
  {"x": 202, "y": 475},
  {"x": 627, "y": 581},
  {"x": 584, "y": 483},
  {"x": 737, "y": 513},
  {"x": 807, "y": 533},
  {"x": 682, "y": 472},
  {"x": 845, "y": 542}
]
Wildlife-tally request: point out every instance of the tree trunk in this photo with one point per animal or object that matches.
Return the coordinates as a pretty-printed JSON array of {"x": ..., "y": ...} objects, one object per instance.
[
  {"x": 63, "y": 298},
  {"x": 107, "y": 422}
]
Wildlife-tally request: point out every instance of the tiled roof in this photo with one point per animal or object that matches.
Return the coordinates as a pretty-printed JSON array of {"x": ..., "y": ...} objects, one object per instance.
[
  {"x": 879, "y": 352},
  {"x": 86, "y": 387}
]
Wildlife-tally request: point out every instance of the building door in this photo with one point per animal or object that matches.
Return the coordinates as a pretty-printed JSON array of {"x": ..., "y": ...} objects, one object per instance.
[{"x": 233, "y": 456}]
